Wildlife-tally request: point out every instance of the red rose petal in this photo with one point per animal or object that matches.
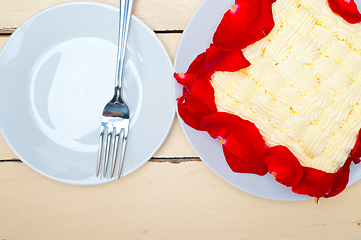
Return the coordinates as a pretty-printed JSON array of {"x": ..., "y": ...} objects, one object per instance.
[
  {"x": 347, "y": 9},
  {"x": 218, "y": 60},
  {"x": 190, "y": 118},
  {"x": 283, "y": 165},
  {"x": 197, "y": 103},
  {"x": 240, "y": 166},
  {"x": 314, "y": 182},
  {"x": 341, "y": 180},
  {"x": 185, "y": 92},
  {"x": 241, "y": 137},
  {"x": 201, "y": 97},
  {"x": 247, "y": 22},
  {"x": 197, "y": 66},
  {"x": 186, "y": 79}
]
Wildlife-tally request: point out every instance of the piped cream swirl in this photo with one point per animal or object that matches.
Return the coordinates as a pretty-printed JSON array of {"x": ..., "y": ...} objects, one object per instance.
[{"x": 303, "y": 88}]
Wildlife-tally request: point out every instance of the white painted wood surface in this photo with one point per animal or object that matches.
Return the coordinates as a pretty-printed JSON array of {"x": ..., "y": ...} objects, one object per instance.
[
  {"x": 161, "y": 200},
  {"x": 157, "y": 14},
  {"x": 164, "y": 201}
]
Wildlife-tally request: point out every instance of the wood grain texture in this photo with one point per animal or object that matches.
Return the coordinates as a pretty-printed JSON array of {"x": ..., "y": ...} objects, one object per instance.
[
  {"x": 158, "y": 15},
  {"x": 164, "y": 201}
]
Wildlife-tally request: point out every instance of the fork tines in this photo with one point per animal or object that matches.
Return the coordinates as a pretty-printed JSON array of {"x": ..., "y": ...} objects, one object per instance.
[{"x": 115, "y": 133}]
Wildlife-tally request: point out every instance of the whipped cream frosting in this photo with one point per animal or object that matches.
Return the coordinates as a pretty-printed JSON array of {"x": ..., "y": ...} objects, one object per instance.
[{"x": 303, "y": 88}]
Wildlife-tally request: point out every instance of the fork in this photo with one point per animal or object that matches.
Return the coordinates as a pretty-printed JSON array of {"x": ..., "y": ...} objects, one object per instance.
[{"x": 115, "y": 118}]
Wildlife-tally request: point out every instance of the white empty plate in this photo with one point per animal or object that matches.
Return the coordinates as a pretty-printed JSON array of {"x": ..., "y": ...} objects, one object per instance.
[{"x": 58, "y": 72}]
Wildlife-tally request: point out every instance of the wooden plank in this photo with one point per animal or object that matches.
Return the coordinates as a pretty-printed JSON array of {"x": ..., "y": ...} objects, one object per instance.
[
  {"x": 176, "y": 144},
  {"x": 170, "y": 42},
  {"x": 164, "y": 201},
  {"x": 158, "y": 15}
]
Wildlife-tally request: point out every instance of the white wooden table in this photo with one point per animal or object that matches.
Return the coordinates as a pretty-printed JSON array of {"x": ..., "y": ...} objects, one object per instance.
[{"x": 173, "y": 196}]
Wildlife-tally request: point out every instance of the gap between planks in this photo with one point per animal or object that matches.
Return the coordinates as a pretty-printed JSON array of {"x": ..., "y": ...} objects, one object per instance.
[
  {"x": 175, "y": 160},
  {"x": 6, "y": 31},
  {"x": 9, "y": 31}
]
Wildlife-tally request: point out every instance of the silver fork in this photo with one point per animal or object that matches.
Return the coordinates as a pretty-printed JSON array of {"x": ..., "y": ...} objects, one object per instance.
[{"x": 115, "y": 119}]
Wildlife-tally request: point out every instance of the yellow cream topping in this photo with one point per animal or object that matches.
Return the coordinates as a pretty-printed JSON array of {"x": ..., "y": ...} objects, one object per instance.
[{"x": 303, "y": 88}]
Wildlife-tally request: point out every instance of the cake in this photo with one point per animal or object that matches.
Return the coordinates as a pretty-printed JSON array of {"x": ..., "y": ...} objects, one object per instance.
[{"x": 280, "y": 85}]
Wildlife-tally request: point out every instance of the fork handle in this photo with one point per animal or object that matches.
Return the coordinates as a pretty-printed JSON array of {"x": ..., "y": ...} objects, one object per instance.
[{"x": 124, "y": 19}]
